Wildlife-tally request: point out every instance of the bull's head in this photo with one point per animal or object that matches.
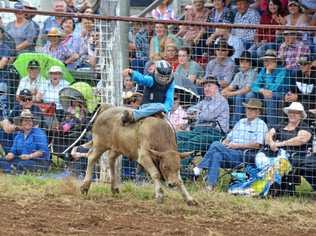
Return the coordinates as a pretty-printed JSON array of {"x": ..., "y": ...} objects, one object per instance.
[{"x": 169, "y": 165}]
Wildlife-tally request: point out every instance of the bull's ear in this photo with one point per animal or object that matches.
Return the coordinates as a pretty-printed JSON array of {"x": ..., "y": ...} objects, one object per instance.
[
  {"x": 155, "y": 153},
  {"x": 184, "y": 155}
]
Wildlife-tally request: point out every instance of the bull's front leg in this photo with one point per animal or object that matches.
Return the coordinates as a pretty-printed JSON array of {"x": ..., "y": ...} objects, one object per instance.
[
  {"x": 112, "y": 156},
  {"x": 185, "y": 194},
  {"x": 149, "y": 166},
  {"x": 93, "y": 156}
]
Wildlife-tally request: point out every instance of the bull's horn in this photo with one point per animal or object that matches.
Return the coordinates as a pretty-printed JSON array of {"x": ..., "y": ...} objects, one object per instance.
[{"x": 184, "y": 155}]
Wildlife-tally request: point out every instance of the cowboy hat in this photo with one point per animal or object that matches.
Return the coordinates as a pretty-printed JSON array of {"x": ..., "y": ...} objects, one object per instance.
[
  {"x": 210, "y": 79},
  {"x": 295, "y": 106},
  {"x": 222, "y": 44},
  {"x": 25, "y": 114},
  {"x": 271, "y": 54},
  {"x": 54, "y": 32},
  {"x": 245, "y": 56},
  {"x": 253, "y": 104},
  {"x": 129, "y": 95}
]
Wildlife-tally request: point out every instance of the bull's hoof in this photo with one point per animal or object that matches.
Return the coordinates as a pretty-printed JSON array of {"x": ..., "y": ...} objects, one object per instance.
[
  {"x": 115, "y": 191},
  {"x": 192, "y": 202}
]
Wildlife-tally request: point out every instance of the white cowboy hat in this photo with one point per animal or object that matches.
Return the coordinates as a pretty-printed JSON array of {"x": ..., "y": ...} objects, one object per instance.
[{"x": 295, "y": 106}]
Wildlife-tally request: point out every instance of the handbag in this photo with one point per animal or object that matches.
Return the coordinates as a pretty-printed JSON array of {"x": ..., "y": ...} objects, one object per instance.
[{"x": 48, "y": 109}]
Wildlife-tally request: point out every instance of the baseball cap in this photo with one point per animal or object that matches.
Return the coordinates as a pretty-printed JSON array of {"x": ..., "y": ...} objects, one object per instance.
[
  {"x": 33, "y": 64},
  {"x": 55, "y": 69},
  {"x": 25, "y": 93}
]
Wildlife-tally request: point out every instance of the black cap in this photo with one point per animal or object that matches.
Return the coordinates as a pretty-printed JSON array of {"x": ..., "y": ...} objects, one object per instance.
[
  {"x": 25, "y": 93},
  {"x": 33, "y": 64},
  {"x": 210, "y": 79}
]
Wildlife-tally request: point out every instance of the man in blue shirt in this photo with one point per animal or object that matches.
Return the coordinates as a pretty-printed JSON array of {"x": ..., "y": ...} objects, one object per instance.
[
  {"x": 270, "y": 85},
  {"x": 248, "y": 133},
  {"x": 30, "y": 147},
  {"x": 158, "y": 92}
]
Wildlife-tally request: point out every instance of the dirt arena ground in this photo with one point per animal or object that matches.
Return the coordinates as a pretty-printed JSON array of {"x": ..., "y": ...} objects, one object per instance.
[{"x": 48, "y": 213}]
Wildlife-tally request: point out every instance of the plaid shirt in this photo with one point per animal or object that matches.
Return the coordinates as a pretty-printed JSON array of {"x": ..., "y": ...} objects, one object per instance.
[
  {"x": 142, "y": 44},
  {"x": 292, "y": 53}
]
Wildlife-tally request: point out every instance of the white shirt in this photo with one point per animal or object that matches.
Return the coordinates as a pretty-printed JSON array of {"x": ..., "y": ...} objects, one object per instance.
[
  {"x": 51, "y": 93},
  {"x": 32, "y": 85}
]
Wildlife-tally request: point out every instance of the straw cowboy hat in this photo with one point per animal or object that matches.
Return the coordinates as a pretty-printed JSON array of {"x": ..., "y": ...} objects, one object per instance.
[
  {"x": 54, "y": 32},
  {"x": 271, "y": 54},
  {"x": 128, "y": 96},
  {"x": 253, "y": 104},
  {"x": 25, "y": 114},
  {"x": 295, "y": 106}
]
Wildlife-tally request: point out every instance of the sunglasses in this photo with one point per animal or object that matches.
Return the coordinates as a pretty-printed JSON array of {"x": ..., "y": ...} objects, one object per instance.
[{"x": 26, "y": 99}]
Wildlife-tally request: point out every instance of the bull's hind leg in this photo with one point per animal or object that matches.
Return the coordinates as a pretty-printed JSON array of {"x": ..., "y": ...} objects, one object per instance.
[
  {"x": 112, "y": 157},
  {"x": 146, "y": 161},
  {"x": 93, "y": 156}
]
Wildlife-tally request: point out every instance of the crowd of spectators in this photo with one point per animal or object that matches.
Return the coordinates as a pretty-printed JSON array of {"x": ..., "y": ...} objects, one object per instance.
[{"x": 224, "y": 67}]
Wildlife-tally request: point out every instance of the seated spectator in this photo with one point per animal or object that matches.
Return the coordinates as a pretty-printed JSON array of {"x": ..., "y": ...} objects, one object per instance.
[
  {"x": 5, "y": 53},
  {"x": 266, "y": 38},
  {"x": 292, "y": 49},
  {"x": 296, "y": 17},
  {"x": 295, "y": 138},
  {"x": 54, "y": 21},
  {"x": 212, "y": 119},
  {"x": 222, "y": 66},
  {"x": 164, "y": 11},
  {"x": 303, "y": 84},
  {"x": 270, "y": 85},
  {"x": 232, "y": 40},
  {"x": 220, "y": 13},
  {"x": 192, "y": 34},
  {"x": 4, "y": 103},
  {"x": 33, "y": 81},
  {"x": 188, "y": 72},
  {"x": 141, "y": 48},
  {"x": 78, "y": 26},
  {"x": 49, "y": 92},
  {"x": 70, "y": 6},
  {"x": 262, "y": 5},
  {"x": 22, "y": 31},
  {"x": 55, "y": 48},
  {"x": 245, "y": 15},
  {"x": 70, "y": 42},
  {"x": 25, "y": 102},
  {"x": 132, "y": 99},
  {"x": 88, "y": 45},
  {"x": 309, "y": 6},
  {"x": 30, "y": 148},
  {"x": 248, "y": 133},
  {"x": 171, "y": 55},
  {"x": 160, "y": 40},
  {"x": 178, "y": 115},
  {"x": 241, "y": 84}
]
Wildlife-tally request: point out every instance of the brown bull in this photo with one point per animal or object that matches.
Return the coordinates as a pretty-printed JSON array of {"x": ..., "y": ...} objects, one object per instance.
[{"x": 151, "y": 142}]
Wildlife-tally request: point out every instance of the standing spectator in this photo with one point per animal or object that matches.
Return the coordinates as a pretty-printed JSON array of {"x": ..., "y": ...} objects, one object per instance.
[
  {"x": 70, "y": 6},
  {"x": 241, "y": 84},
  {"x": 193, "y": 34},
  {"x": 54, "y": 21},
  {"x": 292, "y": 49},
  {"x": 70, "y": 42},
  {"x": 78, "y": 26},
  {"x": 222, "y": 66},
  {"x": 22, "y": 30},
  {"x": 213, "y": 108},
  {"x": 303, "y": 85},
  {"x": 28, "y": 6},
  {"x": 5, "y": 53},
  {"x": 55, "y": 48},
  {"x": 266, "y": 38},
  {"x": 220, "y": 13},
  {"x": 248, "y": 133},
  {"x": 245, "y": 15},
  {"x": 30, "y": 147},
  {"x": 270, "y": 85},
  {"x": 164, "y": 11},
  {"x": 188, "y": 72},
  {"x": 93, "y": 4},
  {"x": 33, "y": 81}
]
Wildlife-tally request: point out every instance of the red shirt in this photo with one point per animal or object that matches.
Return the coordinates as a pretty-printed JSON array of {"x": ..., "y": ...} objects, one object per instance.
[{"x": 267, "y": 33}]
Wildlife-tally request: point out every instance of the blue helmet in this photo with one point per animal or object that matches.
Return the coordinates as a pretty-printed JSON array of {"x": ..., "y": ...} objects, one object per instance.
[{"x": 163, "y": 72}]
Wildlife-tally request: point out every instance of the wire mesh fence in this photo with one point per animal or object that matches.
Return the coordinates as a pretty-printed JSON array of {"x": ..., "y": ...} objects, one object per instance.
[{"x": 243, "y": 96}]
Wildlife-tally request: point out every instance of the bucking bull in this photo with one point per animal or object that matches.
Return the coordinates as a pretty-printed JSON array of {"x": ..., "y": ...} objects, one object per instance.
[{"x": 150, "y": 141}]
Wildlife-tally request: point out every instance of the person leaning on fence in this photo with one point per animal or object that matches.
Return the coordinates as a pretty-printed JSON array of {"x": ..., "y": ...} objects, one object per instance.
[
  {"x": 30, "y": 147},
  {"x": 295, "y": 138},
  {"x": 211, "y": 116},
  {"x": 158, "y": 92},
  {"x": 270, "y": 85},
  {"x": 248, "y": 133},
  {"x": 241, "y": 84}
]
